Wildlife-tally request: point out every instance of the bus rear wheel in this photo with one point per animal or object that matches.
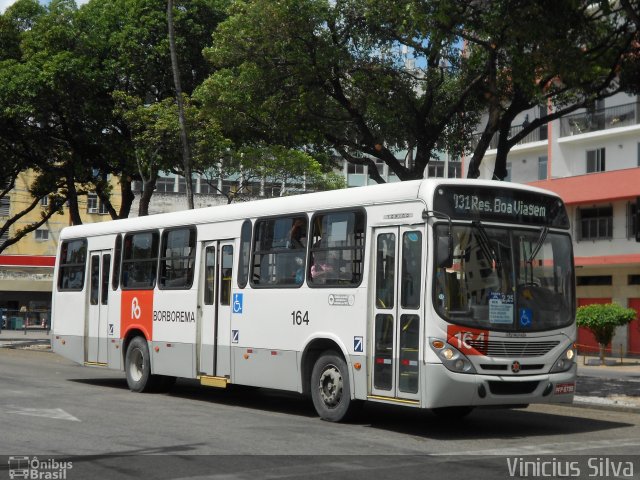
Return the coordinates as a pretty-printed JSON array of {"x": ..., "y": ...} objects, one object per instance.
[
  {"x": 330, "y": 389},
  {"x": 138, "y": 365}
]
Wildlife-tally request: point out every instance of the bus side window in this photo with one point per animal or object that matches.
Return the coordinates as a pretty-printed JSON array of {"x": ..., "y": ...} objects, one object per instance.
[
  {"x": 337, "y": 250},
  {"x": 226, "y": 274},
  {"x": 177, "y": 258},
  {"x": 140, "y": 260},
  {"x": 279, "y": 251},
  {"x": 115, "y": 279},
  {"x": 73, "y": 255},
  {"x": 245, "y": 251}
]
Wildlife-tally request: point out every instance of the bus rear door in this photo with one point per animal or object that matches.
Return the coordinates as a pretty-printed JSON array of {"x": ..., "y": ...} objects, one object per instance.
[
  {"x": 98, "y": 309},
  {"x": 396, "y": 326}
]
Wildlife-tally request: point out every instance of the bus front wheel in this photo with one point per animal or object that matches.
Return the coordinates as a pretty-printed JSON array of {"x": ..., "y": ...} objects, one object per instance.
[
  {"x": 330, "y": 389},
  {"x": 138, "y": 365}
]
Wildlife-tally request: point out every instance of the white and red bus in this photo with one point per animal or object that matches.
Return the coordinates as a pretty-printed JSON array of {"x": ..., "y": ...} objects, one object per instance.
[{"x": 437, "y": 294}]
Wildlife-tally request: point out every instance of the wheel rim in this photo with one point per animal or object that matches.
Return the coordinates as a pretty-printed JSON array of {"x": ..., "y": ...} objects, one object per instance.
[
  {"x": 330, "y": 386},
  {"x": 136, "y": 365}
]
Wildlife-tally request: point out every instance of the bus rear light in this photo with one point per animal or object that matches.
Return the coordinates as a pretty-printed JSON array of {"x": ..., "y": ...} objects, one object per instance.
[
  {"x": 157, "y": 349},
  {"x": 357, "y": 365}
]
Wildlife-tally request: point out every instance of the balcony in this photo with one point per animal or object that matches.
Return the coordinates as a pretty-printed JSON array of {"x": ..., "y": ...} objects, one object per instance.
[
  {"x": 601, "y": 119},
  {"x": 537, "y": 135}
]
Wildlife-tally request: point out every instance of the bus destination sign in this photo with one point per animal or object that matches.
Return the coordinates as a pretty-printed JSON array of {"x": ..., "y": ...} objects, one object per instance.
[{"x": 501, "y": 205}]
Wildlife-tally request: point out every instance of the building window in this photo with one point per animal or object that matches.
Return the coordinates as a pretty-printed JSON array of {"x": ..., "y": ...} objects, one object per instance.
[
  {"x": 42, "y": 234},
  {"x": 435, "y": 169},
  {"x": 4, "y": 236},
  {"x": 595, "y": 160},
  {"x": 102, "y": 208},
  {"x": 44, "y": 201},
  {"x": 542, "y": 167},
  {"x": 165, "y": 184},
  {"x": 589, "y": 280},
  {"x": 353, "y": 168},
  {"x": 632, "y": 219},
  {"x": 595, "y": 223},
  {"x": 92, "y": 203},
  {"x": 508, "y": 177},
  {"x": 5, "y": 206},
  {"x": 633, "y": 280}
]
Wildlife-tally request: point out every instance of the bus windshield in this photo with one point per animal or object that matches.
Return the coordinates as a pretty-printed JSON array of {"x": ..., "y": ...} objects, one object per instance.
[{"x": 508, "y": 279}]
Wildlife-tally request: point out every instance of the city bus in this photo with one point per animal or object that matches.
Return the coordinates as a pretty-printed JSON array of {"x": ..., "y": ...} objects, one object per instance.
[{"x": 438, "y": 294}]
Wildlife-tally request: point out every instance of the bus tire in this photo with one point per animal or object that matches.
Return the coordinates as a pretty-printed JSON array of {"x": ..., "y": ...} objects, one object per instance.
[
  {"x": 330, "y": 389},
  {"x": 137, "y": 366}
]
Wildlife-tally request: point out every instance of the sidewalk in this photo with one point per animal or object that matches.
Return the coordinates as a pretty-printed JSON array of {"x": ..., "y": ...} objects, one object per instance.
[
  {"x": 25, "y": 338},
  {"x": 615, "y": 385}
]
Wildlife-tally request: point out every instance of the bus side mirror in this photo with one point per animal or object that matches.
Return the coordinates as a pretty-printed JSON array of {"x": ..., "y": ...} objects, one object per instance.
[{"x": 444, "y": 255}]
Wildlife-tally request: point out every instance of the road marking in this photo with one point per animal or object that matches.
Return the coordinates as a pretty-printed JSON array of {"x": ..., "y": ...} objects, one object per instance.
[
  {"x": 550, "y": 448},
  {"x": 54, "y": 413}
]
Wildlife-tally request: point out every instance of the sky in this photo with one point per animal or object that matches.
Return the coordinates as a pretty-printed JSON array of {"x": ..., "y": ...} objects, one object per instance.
[{"x": 5, "y": 3}]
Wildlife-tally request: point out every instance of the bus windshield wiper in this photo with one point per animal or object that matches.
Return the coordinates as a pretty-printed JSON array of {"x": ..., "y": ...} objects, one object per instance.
[
  {"x": 485, "y": 243},
  {"x": 543, "y": 236}
]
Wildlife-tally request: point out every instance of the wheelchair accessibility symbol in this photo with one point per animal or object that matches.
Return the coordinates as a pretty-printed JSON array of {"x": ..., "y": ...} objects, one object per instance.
[
  {"x": 237, "y": 302},
  {"x": 525, "y": 317}
]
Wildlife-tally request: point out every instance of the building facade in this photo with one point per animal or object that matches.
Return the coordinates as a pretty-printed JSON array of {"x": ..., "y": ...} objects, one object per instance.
[
  {"x": 592, "y": 160},
  {"x": 26, "y": 267}
]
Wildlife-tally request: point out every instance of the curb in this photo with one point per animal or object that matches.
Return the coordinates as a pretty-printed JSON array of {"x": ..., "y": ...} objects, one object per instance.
[{"x": 602, "y": 404}]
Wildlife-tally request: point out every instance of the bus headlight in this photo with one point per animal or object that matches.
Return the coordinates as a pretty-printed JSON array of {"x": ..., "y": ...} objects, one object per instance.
[
  {"x": 564, "y": 361},
  {"x": 451, "y": 357}
]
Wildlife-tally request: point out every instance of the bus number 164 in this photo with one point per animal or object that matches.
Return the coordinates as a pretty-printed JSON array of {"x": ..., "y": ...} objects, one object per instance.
[{"x": 298, "y": 317}]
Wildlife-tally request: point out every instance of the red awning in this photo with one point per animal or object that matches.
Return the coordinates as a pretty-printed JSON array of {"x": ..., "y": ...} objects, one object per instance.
[
  {"x": 595, "y": 187},
  {"x": 27, "y": 260}
]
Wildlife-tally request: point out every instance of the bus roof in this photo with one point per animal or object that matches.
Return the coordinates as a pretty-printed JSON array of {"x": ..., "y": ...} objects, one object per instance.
[{"x": 334, "y": 199}]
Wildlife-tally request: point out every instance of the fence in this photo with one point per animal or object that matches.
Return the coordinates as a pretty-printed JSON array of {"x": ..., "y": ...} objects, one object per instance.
[{"x": 29, "y": 320}]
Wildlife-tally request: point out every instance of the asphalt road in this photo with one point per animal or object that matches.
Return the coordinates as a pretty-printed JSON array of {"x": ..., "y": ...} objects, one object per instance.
[{"x": 54, "y": 409}]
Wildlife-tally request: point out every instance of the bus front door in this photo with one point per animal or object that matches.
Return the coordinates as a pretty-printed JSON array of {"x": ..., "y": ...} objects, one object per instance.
[
  {"x": 396, "y": 326},
  {"x": 96, "y": 320},
  {"x": 215, "y": 323}
]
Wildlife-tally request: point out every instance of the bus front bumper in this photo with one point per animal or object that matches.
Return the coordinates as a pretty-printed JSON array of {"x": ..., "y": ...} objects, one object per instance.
[{"x": 445, "y": 388}]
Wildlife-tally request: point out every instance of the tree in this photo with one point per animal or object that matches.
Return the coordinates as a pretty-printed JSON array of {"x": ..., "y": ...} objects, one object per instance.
[
  {"x": 45, "y": 128},
  {"x": 602, "y": 320},
  {"x": 330, "y": 75},
  {"x": 371, "y": 79},
  {"x": 567, "y": 59},
  {"x": 290, "y": 171},
  {"x": 184, "y": 137}
]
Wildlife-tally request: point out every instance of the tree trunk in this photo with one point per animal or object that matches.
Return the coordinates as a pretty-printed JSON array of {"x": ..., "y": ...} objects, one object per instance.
[
  {"x": 72, "y": 198},
  {"x": 186, "y": 155},
  {"x": 602, "y": 349},
  {"x": 148, "y": 186},
  {"x": 127, "y": 197}
]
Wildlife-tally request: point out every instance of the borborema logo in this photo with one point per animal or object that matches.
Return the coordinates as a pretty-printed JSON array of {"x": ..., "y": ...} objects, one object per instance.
[{"x": 33, "y": 468}]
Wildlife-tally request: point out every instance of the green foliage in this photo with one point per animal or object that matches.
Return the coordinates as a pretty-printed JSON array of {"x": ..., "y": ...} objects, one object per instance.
[
  {"x": 602, "y": 319},
  {"x": 370, "y": 78}
]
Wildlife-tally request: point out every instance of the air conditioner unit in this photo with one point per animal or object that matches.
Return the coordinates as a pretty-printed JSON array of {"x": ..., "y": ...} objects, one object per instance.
[{"x": 92, "y": 210}]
